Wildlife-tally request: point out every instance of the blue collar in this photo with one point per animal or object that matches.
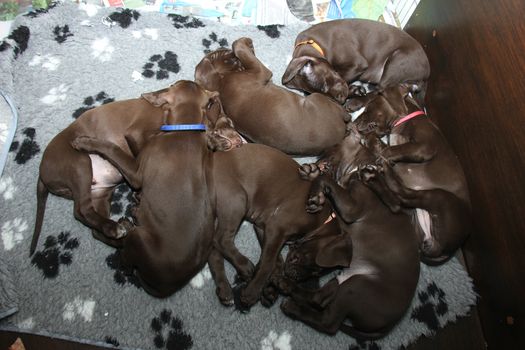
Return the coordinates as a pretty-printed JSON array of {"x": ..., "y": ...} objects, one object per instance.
[{"x": 183, "y": 127}]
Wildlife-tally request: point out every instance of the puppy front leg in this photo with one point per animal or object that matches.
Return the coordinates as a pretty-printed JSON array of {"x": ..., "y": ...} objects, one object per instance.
[
  {"x": 224, "y": 290},
  {"x": 125, "y": 163},
  {"x": 344, "y": 205},
  {"x": 243, "y": 50},
  {"x": 375, "y": 180},
  {"x": 270, "y": 251}
]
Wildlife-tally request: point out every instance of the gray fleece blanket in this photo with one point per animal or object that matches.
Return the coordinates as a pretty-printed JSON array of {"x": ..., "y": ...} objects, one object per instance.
[{"x": 57, "y": 64}]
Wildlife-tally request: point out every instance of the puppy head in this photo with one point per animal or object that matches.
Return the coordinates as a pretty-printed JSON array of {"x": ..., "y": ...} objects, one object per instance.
[
  {"x": 351, "y": 154},
  {"x": 313, "y": 74},
  {"x": 383, "y": 109},
  {"x": 183, "y": 102},
  {"x": 212, "y": 68},
  {"x": 314, "y": 254},
  {"x": 221, "y": 134}
]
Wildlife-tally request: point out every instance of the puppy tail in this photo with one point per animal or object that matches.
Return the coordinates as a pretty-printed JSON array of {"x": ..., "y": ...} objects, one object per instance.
[
  {"x": 41, "y": 199},
  {"x": 357, "y": 334}
]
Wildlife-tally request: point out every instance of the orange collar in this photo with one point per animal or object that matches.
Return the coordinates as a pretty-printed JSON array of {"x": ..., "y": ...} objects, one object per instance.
[{"x": 314, "y": 45}]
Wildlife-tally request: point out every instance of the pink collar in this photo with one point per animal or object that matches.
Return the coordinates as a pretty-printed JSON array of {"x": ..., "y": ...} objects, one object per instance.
[{"x": 408, "y": 117}]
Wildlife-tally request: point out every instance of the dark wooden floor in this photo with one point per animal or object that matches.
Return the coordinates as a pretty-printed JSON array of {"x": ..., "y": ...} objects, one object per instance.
[{"x": 477, "y": 97}]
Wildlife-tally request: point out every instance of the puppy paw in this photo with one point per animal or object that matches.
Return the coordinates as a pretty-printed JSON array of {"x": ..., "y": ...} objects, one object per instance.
[
  {"x": 124, "y": 226},
  {"x": 248, "y": 298},
  {"x": 242, "y": 43},
  {"x": 269, "y": 296},
  {"x": 84, "y": 143},
  {"x": 290, "y": 308},
  {"x": 225, "y": 295},
  {"x": 309, "y": 171},
  {"x": 285, "y": 286},
  {"x": 316, "y": 202},
  {"x": 245, "y": 271}
]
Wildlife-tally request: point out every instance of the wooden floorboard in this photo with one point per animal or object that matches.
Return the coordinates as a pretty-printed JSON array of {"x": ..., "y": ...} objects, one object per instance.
[{"x": 476, "y": 96}]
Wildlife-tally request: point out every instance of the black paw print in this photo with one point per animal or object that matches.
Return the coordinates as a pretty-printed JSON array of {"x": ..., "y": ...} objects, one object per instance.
[
  {"x": 111, "y": 341},
  {"x": 28, "y": 149},
  {"x": 57, "y": 251},
  {"x": 172, "y": 338},
  {"x": 365, "y": 345},
  {"x": 165, "y": 64},
  {"x": 185, "y": 21},
  {"x": 213, "y": 39},
  {"x": 20, "y": 36},
  {"x": 93, "y": 101},
  {"x": 122, "y": 275},
  {"x": 61, "y": 33},
  {"x": 433, "y": 304},
  {"x": 271, "y": 30},
  {"x": 122, "y": 201},
  {"x": 124, "y": 17}
]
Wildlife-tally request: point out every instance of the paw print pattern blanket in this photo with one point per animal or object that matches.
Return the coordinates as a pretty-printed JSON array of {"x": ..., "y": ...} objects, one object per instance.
[{"x": 61, "y": 62}]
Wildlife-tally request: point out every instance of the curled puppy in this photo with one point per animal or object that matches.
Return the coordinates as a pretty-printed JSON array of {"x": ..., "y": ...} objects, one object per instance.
[
  {"x": 329, "y": 55},
  {"x": 375, "y": 249},
  {"x": 266, "y": 113}
]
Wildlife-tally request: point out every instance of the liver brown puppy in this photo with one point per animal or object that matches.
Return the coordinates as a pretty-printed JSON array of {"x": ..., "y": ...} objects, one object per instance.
[
  {"x": 330, "y": 55},
  {"x": 266, "y": 113},
  {"x": 172, "y": 240},
  {"x": 259, "y": 184},
  {"x": 376, "y": 249},
  {"x": 421, "y": 171},
  {"x": 88, "y": 179}
]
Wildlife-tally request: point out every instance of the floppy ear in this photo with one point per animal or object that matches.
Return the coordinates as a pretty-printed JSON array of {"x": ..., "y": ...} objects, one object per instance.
[
  {"x": 408, "y": 91},
  {"x": 355, "y": 103},
  {"x": 214, "y": 109},
  {"x": 337, "y": 252},
  {"x": 395, "y": 95},
  {"x": 156, "y": 98},
  {"x": 206, "y": 75},
  {"x": 294, "y": 67}
]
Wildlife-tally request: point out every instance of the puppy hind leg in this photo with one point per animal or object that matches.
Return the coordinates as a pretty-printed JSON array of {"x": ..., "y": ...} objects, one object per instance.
[
  {"x": 224, "y": 241},
  {"x": 444, "y": 218},
  {"x": 101, "y": 204},
  {"x": 243, "y": 49},
  {"x": 83, "y": 204}
]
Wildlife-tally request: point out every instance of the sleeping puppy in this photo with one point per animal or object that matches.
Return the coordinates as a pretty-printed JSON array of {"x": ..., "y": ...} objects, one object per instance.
[
  {"x": 259, "y": 184},
  {"x": 266, "y": 113},
  {"x": 330, "y": 55},
  {"x": 420, "y": 169},
  {"x": 376, "y": 249},
  {"x": 88, "y": 179},
  {"x": 172, "y": 238}
]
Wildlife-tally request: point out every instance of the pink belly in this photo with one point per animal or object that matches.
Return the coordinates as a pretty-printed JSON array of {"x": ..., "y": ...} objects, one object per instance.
[{"x": 104, "y": 174}]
